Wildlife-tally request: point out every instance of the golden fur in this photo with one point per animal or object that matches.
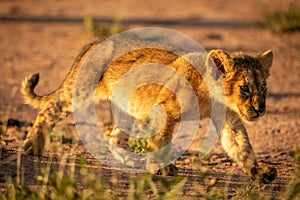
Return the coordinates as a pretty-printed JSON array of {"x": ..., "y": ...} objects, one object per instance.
[{"x": 244, "y": 79}]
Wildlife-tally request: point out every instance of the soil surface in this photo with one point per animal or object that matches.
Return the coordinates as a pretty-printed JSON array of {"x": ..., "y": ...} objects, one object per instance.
[{"x": 46, "y": 37}]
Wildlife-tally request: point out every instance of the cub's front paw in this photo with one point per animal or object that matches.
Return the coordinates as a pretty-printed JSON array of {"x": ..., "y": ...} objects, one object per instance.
[
  {"x": 34, "y": 145},
  {"x": 169, "y": 170},
  {"x": 264, "y": 174}
]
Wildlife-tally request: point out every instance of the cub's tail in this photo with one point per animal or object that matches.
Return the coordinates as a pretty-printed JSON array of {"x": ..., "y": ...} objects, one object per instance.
[{"x": 29, "y": 96}]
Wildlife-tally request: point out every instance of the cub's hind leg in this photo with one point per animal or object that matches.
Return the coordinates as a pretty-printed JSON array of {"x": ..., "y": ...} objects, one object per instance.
[
  {"x": 51, "y": 113},
  {"x": 117, "y": 141}
]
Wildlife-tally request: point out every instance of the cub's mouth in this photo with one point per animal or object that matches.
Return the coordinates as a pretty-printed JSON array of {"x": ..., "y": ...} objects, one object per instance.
[{"x": 250, "y": 116}]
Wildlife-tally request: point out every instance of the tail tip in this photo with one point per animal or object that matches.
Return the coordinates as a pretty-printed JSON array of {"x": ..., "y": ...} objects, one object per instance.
[
  {"x": 34, "y": 79},
  {"x": 29, "y": 83}
]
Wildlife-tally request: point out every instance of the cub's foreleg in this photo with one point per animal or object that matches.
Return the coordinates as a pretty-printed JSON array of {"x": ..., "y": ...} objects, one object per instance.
[{"x": 236, "y": 143}]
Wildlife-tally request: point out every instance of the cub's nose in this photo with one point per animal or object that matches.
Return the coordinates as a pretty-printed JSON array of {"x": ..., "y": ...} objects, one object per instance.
[{"x": 262, "y": 108}]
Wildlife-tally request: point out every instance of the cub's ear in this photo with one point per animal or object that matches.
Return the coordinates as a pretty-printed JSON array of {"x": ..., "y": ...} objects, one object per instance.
[
  {"x": 266, "y": 60},
  {"x": 222, "y": 60}
]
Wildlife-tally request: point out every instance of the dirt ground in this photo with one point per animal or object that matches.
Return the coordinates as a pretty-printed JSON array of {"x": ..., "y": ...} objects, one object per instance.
[{"x": 46, "y": 37}]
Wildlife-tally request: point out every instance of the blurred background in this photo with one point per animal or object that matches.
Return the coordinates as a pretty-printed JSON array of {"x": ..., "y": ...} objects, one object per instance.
[{"x": 46, "y": 37}]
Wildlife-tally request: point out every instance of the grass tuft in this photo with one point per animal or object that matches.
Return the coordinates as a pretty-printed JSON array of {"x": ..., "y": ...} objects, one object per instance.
[
  {"x": 282, "y": 20},
  {"x": 95, "y": 30},
  {"x": 293, "y": 189}
]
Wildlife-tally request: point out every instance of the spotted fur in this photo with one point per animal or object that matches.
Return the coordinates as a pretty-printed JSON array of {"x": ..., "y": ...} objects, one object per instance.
[{"x": 244, "y": 79}]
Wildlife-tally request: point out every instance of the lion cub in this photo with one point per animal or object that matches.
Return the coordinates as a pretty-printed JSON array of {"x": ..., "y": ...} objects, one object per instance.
[{"x": 243, "y": 78}]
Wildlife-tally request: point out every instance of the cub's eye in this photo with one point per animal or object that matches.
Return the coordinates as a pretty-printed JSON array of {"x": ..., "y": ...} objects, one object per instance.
[
  {"x": 245, "y": 89},
  {"x": 264, "y": 88}
]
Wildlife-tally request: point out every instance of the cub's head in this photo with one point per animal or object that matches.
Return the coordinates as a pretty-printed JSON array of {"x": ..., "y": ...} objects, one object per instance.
[{"x": 244, "y": 80}]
